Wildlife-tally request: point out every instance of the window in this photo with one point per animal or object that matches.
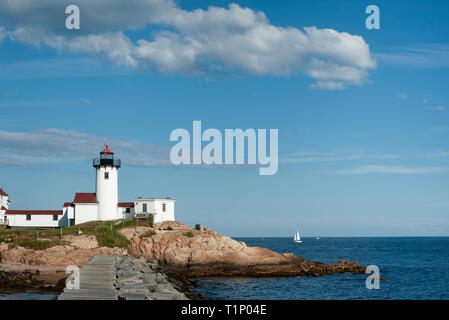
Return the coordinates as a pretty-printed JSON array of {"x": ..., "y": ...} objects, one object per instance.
[
  {"x": 163, "y": 207},
  {"x": 55, "y": 217},
  {"x": 144, "y": 207},
  {"x": 128, "y": 210},
  {"x": 106, "y": 176},
  {"x": 28, "y": 217}
]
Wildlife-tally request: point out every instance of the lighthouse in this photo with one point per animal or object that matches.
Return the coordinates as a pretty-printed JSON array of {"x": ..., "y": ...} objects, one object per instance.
[
  {"x": 102, "y": 205},
  {"x": 106, "y": 187}
]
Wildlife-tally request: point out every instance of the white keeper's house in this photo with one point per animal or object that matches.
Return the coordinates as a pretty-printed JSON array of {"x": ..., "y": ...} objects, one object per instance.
[{"x": 101, "y": 205}]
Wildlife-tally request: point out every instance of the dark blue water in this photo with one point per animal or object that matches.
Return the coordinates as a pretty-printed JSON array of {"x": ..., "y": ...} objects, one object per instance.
[
  {"x": 414, "y": 268},
  {"x": 27, "y": 296}
]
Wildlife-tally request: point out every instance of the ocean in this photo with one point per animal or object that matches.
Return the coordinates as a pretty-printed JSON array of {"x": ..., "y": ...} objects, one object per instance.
[
  {"x": 8, "y": 295},
  {"x": 414, "y": 268}
]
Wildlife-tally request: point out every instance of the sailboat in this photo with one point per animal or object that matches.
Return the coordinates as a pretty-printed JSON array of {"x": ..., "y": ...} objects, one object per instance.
[{"x": 297, "y": 238}]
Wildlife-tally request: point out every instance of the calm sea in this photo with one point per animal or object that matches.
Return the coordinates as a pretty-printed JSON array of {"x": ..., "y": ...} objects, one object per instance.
[
  {"x": 27, "y": 296},
  {"x": 415, "y": 268}
]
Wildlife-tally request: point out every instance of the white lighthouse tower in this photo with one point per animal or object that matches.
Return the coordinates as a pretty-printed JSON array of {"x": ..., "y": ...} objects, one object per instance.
[{"x": 107, "y": 185}]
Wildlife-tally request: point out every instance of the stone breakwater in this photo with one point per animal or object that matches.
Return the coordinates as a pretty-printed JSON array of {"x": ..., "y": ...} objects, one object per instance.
[{"x": 123, "y": 278}]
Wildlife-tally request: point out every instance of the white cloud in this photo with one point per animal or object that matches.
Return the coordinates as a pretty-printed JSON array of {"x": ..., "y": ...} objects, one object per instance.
[
  {"x": 96, "y": 16},
  {"x": 438, "y": 130},
  {"x": 328, "y": 85},
  {"x": 5, "y": 161},
  {"x": 391, "y": 170},
  {"x": 54, "y": 145},
  {"x": 2, "y": 33},
  {"x": 403, "y": 96},
  {"x": 306, "y": 156},
  {"x": 197, "y": 42},
  {"x": 116, "y": 47},
  {"x": 427, "y": 55},
  {"x": 436, "y": 108},
  {"x": 441, "y": 154},
  {"x": 61, "y": 67}
]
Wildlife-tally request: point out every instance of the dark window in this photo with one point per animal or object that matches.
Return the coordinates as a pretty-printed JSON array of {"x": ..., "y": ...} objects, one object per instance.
[
  {"x": 144, "y": 207},
  {"x": 106, "y": 175},
  {"x": 28, "y": 216},
  {"x": 163, "y": 207},
  {"x": 55, "y": 217},
  {"x": 128, "y": 210}
]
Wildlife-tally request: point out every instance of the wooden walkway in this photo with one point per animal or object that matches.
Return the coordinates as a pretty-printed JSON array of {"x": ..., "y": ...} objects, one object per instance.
[{"x": 97, "y": 279}]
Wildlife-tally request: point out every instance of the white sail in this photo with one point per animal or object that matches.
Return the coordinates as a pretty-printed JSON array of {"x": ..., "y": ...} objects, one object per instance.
[{"x": 297, "y": 238}]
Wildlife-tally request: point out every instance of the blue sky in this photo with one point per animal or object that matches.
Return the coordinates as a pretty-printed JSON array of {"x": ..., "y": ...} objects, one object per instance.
[{"x": 368, "y": 159}]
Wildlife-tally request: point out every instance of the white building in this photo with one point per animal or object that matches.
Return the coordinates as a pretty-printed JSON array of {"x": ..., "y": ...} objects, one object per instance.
[
  {"x": 35, "y": 218},
  {"x": 161, "y": 209},
  {"x": 4, "y": 204},
  {"x": 102, "y": 205}
]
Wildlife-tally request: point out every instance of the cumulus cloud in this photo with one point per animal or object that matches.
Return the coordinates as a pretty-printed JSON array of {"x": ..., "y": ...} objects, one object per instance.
[
  {"x": 197, "y": 42},
  {"x": 391, "y": 170},
  {"x": 53, "y": 145}
]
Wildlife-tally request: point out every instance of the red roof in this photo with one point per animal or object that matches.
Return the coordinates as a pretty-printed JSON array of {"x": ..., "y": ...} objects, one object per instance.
[
  {"x": 3, "y": 208},
  {"x": 126, "y": 204},
  {"x": 68, "y": 204},
  {"x": 44, "y": 212},
  {"x": 85, "y": 198},
  {"x": 3, "y": 193},
  {"x": 106, "y": 150}
]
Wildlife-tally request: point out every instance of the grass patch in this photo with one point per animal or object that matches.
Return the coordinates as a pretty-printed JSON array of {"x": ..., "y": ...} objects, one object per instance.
[
  {"x": 188, "y": 234},
  {"x": 111, "y": 238},
  {"x": 107, "y": 234},
  {"x": 38, "y": 245}
]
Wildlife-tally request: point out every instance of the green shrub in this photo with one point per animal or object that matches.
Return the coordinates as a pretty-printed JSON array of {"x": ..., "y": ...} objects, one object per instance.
[
  {"x": 188, "y": 234},
  {"x": 110, "y": 238},
  {"x": 126, "y": 223},
  {"x": 150, "y": 220}
]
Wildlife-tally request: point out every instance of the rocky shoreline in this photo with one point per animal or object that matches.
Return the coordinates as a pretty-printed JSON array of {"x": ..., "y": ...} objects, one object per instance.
[
  {"x": 194, "y": 253},
  {"x": 172, "y": 249}
]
